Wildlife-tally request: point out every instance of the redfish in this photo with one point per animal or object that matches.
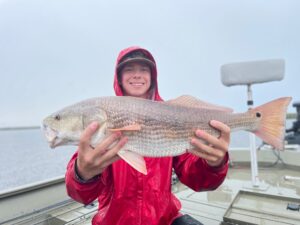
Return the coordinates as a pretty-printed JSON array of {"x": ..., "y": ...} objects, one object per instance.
[{"x": 158, "y": 129}]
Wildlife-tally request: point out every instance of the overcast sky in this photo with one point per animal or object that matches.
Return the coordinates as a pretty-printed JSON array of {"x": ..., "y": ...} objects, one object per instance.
[{"x": 56, "y": 52}]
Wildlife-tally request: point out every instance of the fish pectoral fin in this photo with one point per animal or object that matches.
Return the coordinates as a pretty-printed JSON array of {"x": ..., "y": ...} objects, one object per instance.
[
  {"x": 192, "y": 102},
  {"x": 132, "y": 127},
  {"x": 135, "y": 160}
]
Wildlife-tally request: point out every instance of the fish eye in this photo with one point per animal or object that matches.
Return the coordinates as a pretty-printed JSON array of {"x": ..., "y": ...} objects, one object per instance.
[
  {"x": 258, "y": 115},
  {"x": 57, "y": 117}
]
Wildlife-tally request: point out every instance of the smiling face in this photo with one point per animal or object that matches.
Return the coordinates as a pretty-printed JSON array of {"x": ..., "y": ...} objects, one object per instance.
[{"x": 136, "y": 79}]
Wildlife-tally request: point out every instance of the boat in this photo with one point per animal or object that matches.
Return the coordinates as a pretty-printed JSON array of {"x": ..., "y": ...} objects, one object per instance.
[
  {"x": 236, "y": 201},
  {"x": 269, "y": 194}
]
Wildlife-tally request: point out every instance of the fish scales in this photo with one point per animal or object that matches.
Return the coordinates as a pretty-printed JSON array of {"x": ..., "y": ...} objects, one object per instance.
[
  {"x": 165, "y": 129},
  {"x": 157, "y": 129},
  {"x": 157, "y": 136}
]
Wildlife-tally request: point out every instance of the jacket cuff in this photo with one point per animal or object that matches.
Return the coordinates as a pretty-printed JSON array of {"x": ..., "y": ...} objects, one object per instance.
[
  {"x": 220, "y": 167},
  {"x": 79, "y": 179}
]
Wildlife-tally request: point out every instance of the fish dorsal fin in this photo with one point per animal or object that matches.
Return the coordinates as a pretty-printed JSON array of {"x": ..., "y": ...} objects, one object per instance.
[
  {"x": 133, "y": 159},
  {"x": 192, "y": 102}
]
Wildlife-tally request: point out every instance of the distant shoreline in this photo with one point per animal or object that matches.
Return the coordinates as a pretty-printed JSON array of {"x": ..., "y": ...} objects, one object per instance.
[
  {"x": 20, "y": 128},
  {"x": 291, "y": 115}
]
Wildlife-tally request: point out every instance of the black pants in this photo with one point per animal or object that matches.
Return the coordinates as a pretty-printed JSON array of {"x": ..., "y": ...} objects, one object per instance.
[{"x": 186, "y": 220}]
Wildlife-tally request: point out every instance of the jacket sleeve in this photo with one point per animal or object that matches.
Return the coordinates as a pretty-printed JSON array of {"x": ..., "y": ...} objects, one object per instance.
[
  {"x": 194, "y": 172},
  {"x": 87, "y": 192}
]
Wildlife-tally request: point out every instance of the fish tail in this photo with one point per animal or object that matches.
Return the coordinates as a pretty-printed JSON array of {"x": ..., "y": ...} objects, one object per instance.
[{"x": 272, "y": 125}]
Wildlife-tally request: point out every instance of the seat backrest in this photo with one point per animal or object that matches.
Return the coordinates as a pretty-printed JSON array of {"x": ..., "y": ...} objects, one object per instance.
[{"x": 252, "y": 72}]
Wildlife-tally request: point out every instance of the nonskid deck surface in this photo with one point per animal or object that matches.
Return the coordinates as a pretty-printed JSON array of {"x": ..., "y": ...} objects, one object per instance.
[
  {"x": 210, "y": 207},
  {"x": 207, "y": 207},
  {"x": 70, "y": 212}
]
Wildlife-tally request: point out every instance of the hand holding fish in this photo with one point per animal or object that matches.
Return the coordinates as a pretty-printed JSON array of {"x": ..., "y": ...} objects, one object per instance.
[
  {"x": 92, "y": 161},
  {"x": 216, "y": 148}
]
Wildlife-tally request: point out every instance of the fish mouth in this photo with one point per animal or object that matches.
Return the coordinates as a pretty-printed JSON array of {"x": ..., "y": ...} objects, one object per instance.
[
  {"x": 52, "y": 136},
  {"x": 56, "y": 138}
]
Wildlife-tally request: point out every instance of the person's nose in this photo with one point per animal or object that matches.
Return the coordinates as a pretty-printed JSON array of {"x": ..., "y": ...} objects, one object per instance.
[{"x": 136, "y": 74}]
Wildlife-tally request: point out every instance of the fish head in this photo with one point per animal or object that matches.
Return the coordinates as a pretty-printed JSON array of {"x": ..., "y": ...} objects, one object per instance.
[
  {"x": 66, "y": 126},
  {"x": 62, "y": 129}
]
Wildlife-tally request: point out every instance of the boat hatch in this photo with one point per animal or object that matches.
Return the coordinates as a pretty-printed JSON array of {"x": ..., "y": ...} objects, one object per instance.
[{"x": 259, "y": 208}]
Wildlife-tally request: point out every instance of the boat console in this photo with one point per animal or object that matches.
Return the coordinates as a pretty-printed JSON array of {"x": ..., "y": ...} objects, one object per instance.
[{"x": 293, "y": 133}]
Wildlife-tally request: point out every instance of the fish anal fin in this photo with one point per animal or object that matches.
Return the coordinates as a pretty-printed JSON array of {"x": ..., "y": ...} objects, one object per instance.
[
  {"x": 192, "y": 102},
  {"x": 132, "y": 127},
  {"x": 135, "y": 160}
]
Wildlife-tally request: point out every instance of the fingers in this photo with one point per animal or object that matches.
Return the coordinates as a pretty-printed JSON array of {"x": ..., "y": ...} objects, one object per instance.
[
  {"x": 106, "y": 163},
  {"x": 108, "y": 141},
  {"x": 203, "y": 155},
  {"x": 223, "y": 128},
  {"x": 93, "y": 161},
  {"x": 222, "y": 142},
  {"x": 209, "y": 147},
  {"x": 86, "y": 136},
  {"x": 110, "y": 161},
  {"x": 208, "y": 151},
  {"x": 108, "y": 154}
]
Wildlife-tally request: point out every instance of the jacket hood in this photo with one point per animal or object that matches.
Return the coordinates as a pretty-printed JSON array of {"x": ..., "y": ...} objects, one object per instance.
[{"x": 117, "y": 87}]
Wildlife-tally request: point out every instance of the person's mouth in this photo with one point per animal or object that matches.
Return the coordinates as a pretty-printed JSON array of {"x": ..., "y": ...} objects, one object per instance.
[{"x": 137, "y": 84}]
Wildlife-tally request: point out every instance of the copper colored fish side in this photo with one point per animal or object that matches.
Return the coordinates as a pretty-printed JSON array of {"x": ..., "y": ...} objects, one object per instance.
[{"x": 158, "y": 129}]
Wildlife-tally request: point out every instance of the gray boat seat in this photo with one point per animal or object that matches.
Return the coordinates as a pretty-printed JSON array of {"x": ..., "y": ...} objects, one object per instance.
[{"x": 252, "y": 72}]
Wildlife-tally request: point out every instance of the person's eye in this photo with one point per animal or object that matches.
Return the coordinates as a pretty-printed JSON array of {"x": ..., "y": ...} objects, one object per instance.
[
  {"x": 128, "y": 69},
  {"x": 145, "y": 69}
]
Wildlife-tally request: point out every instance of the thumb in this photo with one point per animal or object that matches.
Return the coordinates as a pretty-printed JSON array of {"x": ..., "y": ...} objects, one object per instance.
[{"x": 87, "y": 134}]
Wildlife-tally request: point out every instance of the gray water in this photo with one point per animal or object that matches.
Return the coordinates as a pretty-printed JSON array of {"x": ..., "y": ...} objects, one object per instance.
[{"x": 26, "y": 158}]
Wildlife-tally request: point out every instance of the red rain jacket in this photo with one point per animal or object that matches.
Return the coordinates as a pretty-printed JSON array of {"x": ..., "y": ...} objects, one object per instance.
[{"x": 128, "y": 197}]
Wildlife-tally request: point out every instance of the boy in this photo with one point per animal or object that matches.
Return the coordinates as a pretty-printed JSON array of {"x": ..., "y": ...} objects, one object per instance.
[{"x": 126, "y": 196}]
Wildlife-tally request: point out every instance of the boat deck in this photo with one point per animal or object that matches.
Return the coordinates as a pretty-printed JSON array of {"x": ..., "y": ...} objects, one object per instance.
[
  {"x": 276, "y": 180},
  {"x": 210, "y": 207}
]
